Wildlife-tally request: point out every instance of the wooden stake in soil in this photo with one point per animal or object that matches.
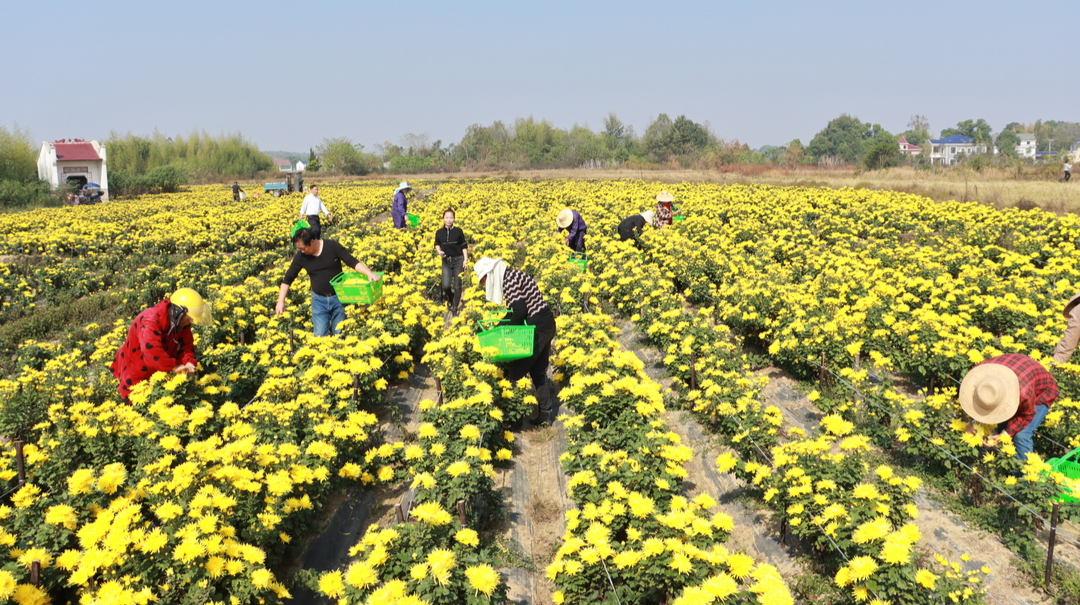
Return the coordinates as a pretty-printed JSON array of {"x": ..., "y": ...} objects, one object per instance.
[
  {"x": 35, "y": 572},
  {"x": 693, "y": 372},
  {"x": 461, "y": 513},
  {"x": 242, "y": 338},
  {"x": 20, "y": 462},
  {"x": 400, "y": 516},
  {"x": 438, "y": 386},
  {"x": 821, "y": 373},
  {"x": 355, "y": 388},
  {"x": 1050, "y": 546}
]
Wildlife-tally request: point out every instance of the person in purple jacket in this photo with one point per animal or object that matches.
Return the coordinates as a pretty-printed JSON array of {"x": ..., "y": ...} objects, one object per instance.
[
  {"x": 575, "y": 225},
  {"x": 400, "y": 207}
]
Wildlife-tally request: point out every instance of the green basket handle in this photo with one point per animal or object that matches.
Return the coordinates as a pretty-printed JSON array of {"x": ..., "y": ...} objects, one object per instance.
[
  {"x": 1070, "y": 455},
  {"x": 579, "y": 256},
  {"x": 490, "y": 323}
]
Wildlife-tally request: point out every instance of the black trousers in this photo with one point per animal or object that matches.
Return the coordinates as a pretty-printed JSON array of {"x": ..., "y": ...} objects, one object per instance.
[
  {"x": 536, "y": 365},
  {"x": 452, "y": 266},
  {"x": 314, "y": 226}
]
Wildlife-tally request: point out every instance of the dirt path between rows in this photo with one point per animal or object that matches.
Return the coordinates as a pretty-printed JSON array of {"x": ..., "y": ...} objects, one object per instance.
[{"x": 755, "y": 533}]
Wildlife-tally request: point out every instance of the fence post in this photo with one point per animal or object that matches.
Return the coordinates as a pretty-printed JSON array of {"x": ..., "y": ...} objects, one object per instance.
[
  {"x": 242, "y": 338},
  {"x": 355, "y": 388},
  {"x": 931, "y": 385},
  {"x": 1050, "y": 546},
  {"x": 292, "y": 345},
  {"x": 400, "y": 516},
  {"x": 438, "y": 386},
  {"x": 35, "y": 572},
  {"x": 20, "y": 461},
  {"x": 693, "y": 371},
  {"x": 821, "y": 373},
  {"x": 461, "y": 512}
]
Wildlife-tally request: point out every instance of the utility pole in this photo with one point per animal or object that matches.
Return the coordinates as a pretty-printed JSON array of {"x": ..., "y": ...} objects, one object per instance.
[{"x": 1051, "y": 150}]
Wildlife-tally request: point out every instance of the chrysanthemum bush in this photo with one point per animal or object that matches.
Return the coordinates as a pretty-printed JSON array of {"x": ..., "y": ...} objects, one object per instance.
[
  {"x": 634, "y": 534},
  {"x": 192, "y": 494}
]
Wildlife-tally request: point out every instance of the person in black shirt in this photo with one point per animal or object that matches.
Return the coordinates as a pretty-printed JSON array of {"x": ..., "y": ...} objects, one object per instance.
[
  {"x": 630, "y": 227},
  {"x": 451, "y": 245},
  {"x": 322, "y": 259},
  {"x": 236, "y": 190},
  {"x": 519, "y": 292}
]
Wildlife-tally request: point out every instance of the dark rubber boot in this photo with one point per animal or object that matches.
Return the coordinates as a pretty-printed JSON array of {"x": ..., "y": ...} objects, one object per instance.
[{"x": 543, "y": 401}]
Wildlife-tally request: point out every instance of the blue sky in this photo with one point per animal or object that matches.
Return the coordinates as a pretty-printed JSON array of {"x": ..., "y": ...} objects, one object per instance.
[{"x": 289, "y": 74}]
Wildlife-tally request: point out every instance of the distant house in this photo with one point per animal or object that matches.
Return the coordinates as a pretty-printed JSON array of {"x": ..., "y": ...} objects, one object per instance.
[
  {"x": 1026, "y": 148},
  {"x": 951, "y": 150},
  {"x": 283, "y": 165},
  {"x": 909, "y": 149},
  {"x": 300, "y": 165},
  {"x": 1074, "y": 150},
  {"x": 74, "y": 161}
]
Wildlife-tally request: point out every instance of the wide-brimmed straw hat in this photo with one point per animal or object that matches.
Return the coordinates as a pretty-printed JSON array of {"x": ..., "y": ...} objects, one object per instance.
[
  {"x": 566, "y": 216},
  {"x": 402, "y": 185},
  {"x": 990, "y": 393},
  {"x": 664, "y": 196}
]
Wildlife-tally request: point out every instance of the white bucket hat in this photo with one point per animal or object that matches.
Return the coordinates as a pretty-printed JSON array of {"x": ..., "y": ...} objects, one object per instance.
[
  {"x": 402, "y": 185},
  {"x": 648, "y": 215},
  {"x": 990, "y": 393}
]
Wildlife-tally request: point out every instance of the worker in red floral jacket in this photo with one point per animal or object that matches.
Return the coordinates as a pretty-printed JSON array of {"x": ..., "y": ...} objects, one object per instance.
[
  {"x": 160, "y": 340},
  {"x": 1014, "y": 392}
]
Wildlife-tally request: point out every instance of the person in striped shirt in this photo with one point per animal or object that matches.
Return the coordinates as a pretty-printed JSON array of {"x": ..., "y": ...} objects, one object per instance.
[{"x": 518, "y": 291}]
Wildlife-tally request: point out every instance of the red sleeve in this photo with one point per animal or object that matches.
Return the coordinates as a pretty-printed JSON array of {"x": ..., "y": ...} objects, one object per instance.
[
  {"x": 187, "y": 347},
  {"x": 154, "y": 355},
  {"x": 1023, "y": 416}
]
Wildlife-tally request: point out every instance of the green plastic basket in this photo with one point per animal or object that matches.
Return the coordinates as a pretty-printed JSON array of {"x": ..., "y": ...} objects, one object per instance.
[
  {"x": 678, "y": 217},
  {"x": 413, "y": 220},
  {"x": 580, "y": 260},
  {"x": 509, "y": 342},
  {"x": 1069, "y": 468},
  {"x": 352, "y": 287},
  {"x": 298, "y": 225}
]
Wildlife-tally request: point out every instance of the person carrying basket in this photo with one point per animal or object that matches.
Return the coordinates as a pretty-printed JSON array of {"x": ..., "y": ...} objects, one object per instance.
[
  {"x": 322, "y": 259},
  {"x": 519, "y": 293}
]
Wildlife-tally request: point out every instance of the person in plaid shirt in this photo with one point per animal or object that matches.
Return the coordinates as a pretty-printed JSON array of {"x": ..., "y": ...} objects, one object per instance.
[{"x": 1012, "y": 391}]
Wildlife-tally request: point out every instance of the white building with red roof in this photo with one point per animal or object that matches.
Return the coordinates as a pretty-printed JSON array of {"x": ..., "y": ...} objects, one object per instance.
[
  {"x": 74, "y": 161},
  {"x": 908, "y": 148}
]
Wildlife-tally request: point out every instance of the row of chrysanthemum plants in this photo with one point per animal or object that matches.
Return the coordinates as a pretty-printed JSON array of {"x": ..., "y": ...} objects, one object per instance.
[
  {"x": 436, "y": 555},
  {"x": 935, "y": 288},
  {"x": 799, "y": 477},
  {"x": 193, "y": 492},
  {"x": 634, "y": 537}
]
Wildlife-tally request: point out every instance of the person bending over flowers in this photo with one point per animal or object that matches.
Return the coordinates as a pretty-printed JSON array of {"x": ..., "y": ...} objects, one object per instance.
[{"x": 1014, "y": 392}]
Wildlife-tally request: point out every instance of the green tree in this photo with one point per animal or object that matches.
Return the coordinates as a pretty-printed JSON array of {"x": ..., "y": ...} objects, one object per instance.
[
  {"x": 1006, "y": 142},
  {"x": 18, "y": 156},
  {"x": 883, "y": 154},
  {"x": 847, "y": 138},
  {"x": 918, "y": 132},
  {"x": 342, "y": 155},
  {"x": 312, "y": 161},
  {"x": 977, "y": 130}
]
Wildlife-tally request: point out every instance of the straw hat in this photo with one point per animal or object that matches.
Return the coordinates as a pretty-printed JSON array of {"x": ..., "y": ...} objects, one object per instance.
[
  {"x": 566, "y": 216},
  {"x": 664, "y": 196},
  {"x": 1069, "y": 306},
  {"x": 990, "y": 393}
]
